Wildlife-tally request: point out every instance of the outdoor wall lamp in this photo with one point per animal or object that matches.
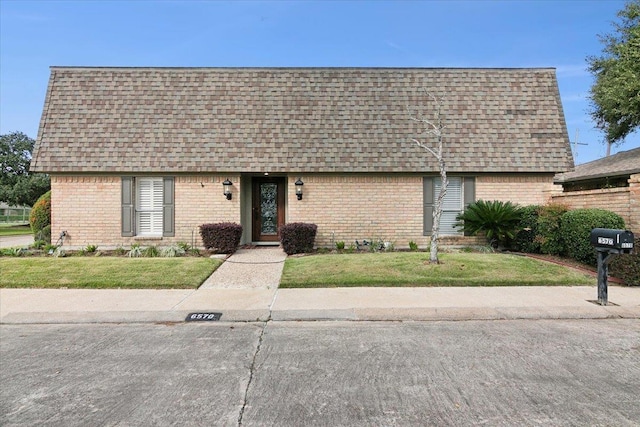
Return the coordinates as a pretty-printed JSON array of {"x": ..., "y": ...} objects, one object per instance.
[
  {"x": 227, "y": 188},
  {"x": 299, "y": 185}
]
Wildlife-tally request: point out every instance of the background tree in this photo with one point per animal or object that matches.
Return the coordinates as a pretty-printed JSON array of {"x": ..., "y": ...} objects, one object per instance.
[
  {"x": 434, "y": 128},
  {"x": 17, "y": 185},
  {"x": 615, "y": 94}
]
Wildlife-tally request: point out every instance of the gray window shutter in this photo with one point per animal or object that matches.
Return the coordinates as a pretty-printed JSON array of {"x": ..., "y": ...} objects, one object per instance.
[
  {"x": 168, "y": 207},
  {"x": 128, "y": 210},
  {"x": 427, "y": 204},
  {"x": 469, "y": 193}
]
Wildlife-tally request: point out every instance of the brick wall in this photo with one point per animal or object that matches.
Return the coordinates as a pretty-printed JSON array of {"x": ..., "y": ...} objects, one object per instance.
[
  {"x": 521, "y": 189},
  {"x": 345, "y": 207},
  {"x": 197, "y": 205},
  {"x": 88, "y": 208},
  {"x": 350, "y": 207},
  {"x": 625, "y": 201}
]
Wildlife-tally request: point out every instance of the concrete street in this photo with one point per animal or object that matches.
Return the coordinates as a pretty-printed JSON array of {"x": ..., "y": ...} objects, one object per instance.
[{"x": 498, "y": 373}]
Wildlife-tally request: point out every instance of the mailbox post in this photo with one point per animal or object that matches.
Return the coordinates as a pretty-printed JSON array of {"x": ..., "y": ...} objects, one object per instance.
[{"x": 609, "y": 242}]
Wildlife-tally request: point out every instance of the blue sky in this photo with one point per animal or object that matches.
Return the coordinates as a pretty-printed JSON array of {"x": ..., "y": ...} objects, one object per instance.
[{"x": 37, "y": 34}]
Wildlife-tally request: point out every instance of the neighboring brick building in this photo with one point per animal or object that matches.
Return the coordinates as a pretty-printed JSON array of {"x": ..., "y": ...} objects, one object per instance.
[
  {"x": 611, "y": 183},
  {"x": 141, "y": 154}
]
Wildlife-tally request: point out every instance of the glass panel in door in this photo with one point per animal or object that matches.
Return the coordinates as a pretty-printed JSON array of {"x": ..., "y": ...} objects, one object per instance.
[{"x": 268, "y": 208}]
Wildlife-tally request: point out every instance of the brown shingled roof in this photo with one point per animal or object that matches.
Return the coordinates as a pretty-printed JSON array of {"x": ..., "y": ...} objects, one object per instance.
[
  {"x": 620, "y": 164},
  {"x": 297, "y": 120}
]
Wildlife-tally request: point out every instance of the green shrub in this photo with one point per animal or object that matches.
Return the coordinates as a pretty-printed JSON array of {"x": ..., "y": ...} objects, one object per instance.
[
  {"x": 14, "y": 252},
  {"x": 413, "y": 246},
  {"x": 39, "y": 244},
  {"x": 298, "y": 237},
  {"x": 184, "y": 246},
  {"x": 40, "y": 218},
  {"x": 340, "y": 245},
  {"x": 549, "y": 236},
  {"x": 576, "y": 226},
  {"x": 497, "y": 219},
  {"x": 90, "y": 249},
  {"x": 627, "y": 267},
  {"x": 135, "y": 252},
  {"x": 151, "y": 252},
  {"x": 172, "y": 251},
  {"x": 44, "y": 235},
  {"x": 525, "y": 240},
  {"x": 224, "y": 237}
]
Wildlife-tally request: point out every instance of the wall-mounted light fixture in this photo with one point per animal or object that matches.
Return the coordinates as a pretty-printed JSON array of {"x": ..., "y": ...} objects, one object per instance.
[
  {"x": 227, "y": 188},
  {"x": 299, "y": 185}
]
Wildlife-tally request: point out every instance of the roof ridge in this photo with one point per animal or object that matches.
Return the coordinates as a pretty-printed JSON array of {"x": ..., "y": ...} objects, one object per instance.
[{"x": 284, "y": 68}]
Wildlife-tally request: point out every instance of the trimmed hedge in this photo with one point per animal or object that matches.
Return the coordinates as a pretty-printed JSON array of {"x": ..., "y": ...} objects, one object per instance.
[
  {"x": 298, "y": 237},
  {"x": 223, "y": 237},
  {"x": 627, "y": 267},
  {"x": 549, "y": 236},
  {"x": 525, "y": 240},
  {"x": 40, "y": 218},
  {"x": 576, "y": 226}
]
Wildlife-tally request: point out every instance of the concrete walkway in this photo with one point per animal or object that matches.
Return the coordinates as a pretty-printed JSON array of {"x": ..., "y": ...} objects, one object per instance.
[
  {"x": 249, "y": 269},
  {"x": 245, "y": 288}
]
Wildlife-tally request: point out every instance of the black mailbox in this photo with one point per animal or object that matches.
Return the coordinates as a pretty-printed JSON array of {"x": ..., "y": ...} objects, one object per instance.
[
  {"x": 609, "y": 242},
  {"x": 621, "y": 241}
]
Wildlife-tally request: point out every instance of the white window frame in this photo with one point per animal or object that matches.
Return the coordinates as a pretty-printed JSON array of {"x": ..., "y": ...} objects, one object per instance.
[{"x": 149, "y": 206}]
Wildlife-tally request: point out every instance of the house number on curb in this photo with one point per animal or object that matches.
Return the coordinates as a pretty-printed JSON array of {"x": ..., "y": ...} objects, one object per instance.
[{"x": 203, "y": 317}]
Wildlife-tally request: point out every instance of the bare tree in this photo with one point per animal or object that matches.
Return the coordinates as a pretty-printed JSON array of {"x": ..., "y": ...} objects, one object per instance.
[{"x": 433, "y": 128}]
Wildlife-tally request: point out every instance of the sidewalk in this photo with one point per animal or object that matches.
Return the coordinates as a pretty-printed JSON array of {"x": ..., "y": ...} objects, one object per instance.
[
  {"x": 260, "y": 304},
  {"x": 245, "y": 289}
]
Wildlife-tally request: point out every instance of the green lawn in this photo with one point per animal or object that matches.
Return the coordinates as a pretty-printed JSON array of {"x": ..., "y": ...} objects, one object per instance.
[
  {"x": 412, "y": 269},
  {"x": 14, "y": 230},
  {"x": 105, "y": 272}
]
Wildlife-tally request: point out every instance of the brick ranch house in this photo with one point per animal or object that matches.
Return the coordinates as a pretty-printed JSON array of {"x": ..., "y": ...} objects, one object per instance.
[
  {"x": 611, "y": 183},
  {"x": 140, "y": 155}
]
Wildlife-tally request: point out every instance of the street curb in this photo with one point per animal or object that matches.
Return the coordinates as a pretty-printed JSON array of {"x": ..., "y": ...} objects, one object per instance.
[
  {"x": 458, "y": 314},
  {"x": 358, "y": 314},
  {"x": 128, "y": 317}
]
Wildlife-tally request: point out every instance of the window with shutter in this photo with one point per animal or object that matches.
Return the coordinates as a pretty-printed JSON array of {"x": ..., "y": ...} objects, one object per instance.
[
  {"x": 149, "y": 206},
  {"x": 460, "y": 192},
  {"x": 451, "y": 206}
]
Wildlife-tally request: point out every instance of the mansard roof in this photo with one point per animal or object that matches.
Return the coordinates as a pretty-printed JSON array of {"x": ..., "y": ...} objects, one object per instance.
[{"x": 192, "y": 120}]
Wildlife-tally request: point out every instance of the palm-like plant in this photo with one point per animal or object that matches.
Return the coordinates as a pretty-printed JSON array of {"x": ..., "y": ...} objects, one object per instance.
[{"x": 498, "y": 220}]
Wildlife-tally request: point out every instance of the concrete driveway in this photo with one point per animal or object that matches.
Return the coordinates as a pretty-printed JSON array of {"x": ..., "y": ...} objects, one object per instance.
[{"x": 13, "y": 241}]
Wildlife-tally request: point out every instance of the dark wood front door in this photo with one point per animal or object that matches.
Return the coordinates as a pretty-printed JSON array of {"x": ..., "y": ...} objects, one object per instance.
[{"x": 267, "y": 208}]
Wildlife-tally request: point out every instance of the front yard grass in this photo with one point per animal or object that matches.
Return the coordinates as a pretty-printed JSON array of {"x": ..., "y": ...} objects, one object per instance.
[
  {"x": 14, "y": 230},
  {"x": 105, "y": 272},
  {"x": 412, "y": 269}
]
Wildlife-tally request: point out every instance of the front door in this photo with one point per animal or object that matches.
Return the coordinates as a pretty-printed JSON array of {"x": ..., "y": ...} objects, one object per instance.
[{"x": 267, "y": 208}]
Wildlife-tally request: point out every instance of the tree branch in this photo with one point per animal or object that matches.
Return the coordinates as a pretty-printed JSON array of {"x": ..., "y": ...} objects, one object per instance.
[{"x": 421, "y": 145}]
